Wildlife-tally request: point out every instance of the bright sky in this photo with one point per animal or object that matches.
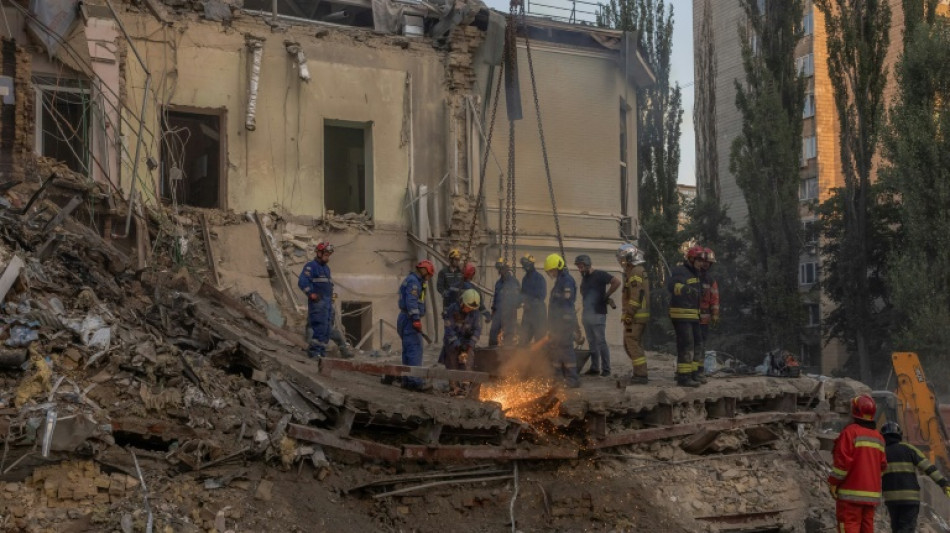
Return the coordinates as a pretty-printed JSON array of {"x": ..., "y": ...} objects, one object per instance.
[{"x": 682, "y": 66}]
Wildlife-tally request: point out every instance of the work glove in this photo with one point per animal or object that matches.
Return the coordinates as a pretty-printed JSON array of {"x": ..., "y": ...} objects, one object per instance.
[
  {"x": 715, "y": 321},
  {"x": 611, "y": 303},
  {"x": 833, "y": 489},
  {"x": 626, "y": 319},
  {"x": 314, "y": 297},
  {"x": 579, "y": 336},
  {"x": 463, "y": 355},
  {"x": 946, "y": 490},
  {"x": 417, "y": 325}
]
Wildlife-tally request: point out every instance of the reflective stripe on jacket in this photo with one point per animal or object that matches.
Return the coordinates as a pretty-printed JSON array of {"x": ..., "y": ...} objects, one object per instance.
[
  {"x": 899, "y": 482},
  {"x": 636, "y": 295},
  {"x": 859, "y": 461},
  {"x": 709, "y": 302},
  {"x": 685, "y": 290}
]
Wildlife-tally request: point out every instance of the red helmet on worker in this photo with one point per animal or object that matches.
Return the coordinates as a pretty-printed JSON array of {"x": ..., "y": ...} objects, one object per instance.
[
  {"x": 695, "y": 252},
  {"x": 709, "y": 255},
  {"x": 426, "y": 266},
  {"x": 325, "y": 246},
  {"x": 863, "y": 407},
  {"x": 468, "y": 272}
]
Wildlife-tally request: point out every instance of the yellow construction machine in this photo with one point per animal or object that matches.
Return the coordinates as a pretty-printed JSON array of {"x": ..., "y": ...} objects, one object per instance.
[{"x": 914, "y": 406}]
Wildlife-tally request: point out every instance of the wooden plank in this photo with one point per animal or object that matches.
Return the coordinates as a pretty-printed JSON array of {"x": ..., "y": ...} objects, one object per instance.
[
  {"x": 295, "y": 339},
  {"x": 329, "y": 439},
  {"x": 293, "y": 403},
  {"x": 416, "y": 488},
  {"x": 278, "y": 270},
  {"x": 328, "y": 366},
  {"x": 454, "y": 453},
  {"x": 668, "y": 432},
  {"x": 10, "y": 275},
  {"x": 209, "y": 251},
  {"x": 63, "y": 213}
]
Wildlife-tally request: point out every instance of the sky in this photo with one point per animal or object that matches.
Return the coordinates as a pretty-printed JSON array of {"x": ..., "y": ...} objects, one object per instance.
[{"x": 682, "y": 61}]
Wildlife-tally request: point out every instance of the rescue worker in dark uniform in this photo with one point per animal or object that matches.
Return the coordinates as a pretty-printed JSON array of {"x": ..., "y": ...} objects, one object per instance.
[
  {"x": 685, "y": 291},
  {"x": 315, "y": 281},
  {"x": 412, "y": 308},
  {"x": 562, "y": 320},
  {"x": 449, "y": 282},
  {"x": 468, "y": 274},
  {"x": 899, "y": 482},
  {"x": 462, "y": 329},
  {"x": 859, "y": 461},
  {"x": 534, "y": 289},
  {"x": 504, "y": 306},
  {"x": 636, "y": 309}
]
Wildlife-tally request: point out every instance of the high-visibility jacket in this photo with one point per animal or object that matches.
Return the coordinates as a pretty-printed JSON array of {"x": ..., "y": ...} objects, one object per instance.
[
  {"x": 685, "y": 289},
  {"x": 636, "y": 295},
  {"x": 900, "y": 478},
  {"x": 709, "y": 302},
  {"x": 859, "y": 461}
]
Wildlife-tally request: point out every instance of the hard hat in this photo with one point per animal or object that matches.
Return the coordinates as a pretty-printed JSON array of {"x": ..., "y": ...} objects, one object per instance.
[
  {"x": 528, "y": 258},
  {"x": 501, "y": 263},
  {"x": 582, "y": 259},
  {"x": 471, "y": 299},
  {"x": 325, "y": 246},
  {"x": 468, "y": 271},
  {"x": 863, "y": 407},
  {"x": 426, "y": 265},
  {"x": 709, "y": 256},
  {"x": 891, "y": 428},
  {"x": 454, "y": 253},
  {"x": 630, "y": 254},
  {"x": 695, "y": 252},
  {"x": 554, "y": 262}
]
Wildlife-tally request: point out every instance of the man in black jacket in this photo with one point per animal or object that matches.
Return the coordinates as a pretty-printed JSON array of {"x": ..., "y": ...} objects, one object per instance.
[
  {"x": 899, "y": 481},
  {"x": 685, "y": 291}
]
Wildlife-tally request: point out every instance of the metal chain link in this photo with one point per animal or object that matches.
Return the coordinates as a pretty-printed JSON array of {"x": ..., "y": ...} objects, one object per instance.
[{"x": 481, "y": 185}]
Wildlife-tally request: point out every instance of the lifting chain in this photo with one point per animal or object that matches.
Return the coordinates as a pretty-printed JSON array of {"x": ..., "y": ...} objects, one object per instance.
[{"x": 481, "y": 175}]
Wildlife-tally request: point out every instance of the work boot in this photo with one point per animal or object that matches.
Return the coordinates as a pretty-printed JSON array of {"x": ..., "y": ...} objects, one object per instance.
[
  {"x": 686, "y": 380},
  {"x": 699, "y": 376}
]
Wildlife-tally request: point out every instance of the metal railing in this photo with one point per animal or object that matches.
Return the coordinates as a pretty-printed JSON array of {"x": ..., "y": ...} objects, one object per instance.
[{"x": 572, "y": 11}]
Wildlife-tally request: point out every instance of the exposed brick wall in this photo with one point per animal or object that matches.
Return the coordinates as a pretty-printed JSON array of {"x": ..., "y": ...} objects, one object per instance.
[{"x": 16, "y": 126}]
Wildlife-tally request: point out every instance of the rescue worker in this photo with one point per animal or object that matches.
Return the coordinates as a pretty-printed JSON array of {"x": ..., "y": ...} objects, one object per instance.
[
  {"x": 899, "y": 484},
  {"x": 636, "y": 309},
  {"x": 596, "y": 288},
  {"x": 534, "y": 289},
  {"x": 412, "y": 308},
  {"x": 449, "y": 282},
  {"x": 685, "y": 290},
  {"x": 462, "y": 329},
  {"x": 504, "y": 306},
  {"x": 859, "y": 461},
  {"x": 468, "y": 274},
  {"x": 709, "y": 302},
  {"x": 562, "y": 321},
  {"x": 315, "y": 281}
]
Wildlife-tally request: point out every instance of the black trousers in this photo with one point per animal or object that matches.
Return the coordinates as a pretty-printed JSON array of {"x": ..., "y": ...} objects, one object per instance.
[
  {"x": 689, "y": 345},
  {"x": 903, "y": 517}
]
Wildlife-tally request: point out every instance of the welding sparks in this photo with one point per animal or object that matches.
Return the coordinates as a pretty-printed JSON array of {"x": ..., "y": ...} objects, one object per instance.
[{"x": 525, "y": 399}]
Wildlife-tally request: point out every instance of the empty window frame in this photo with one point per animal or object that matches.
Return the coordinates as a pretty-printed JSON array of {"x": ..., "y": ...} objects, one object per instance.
[
  {"x": 807, "y": 273},
  {"x": 809, "y": 149},
  {"x": 805, "y": 65},
  {"x": 63, "y": 116},
  {"x": 194, "y": 169},
  {"x": 810, "y": 230},
  {"x": 812, "y": 315},
  {"x": 348, "y": 166},
  {"x": 808, "y": 22},
  {"x": 808, "y": 189},
  {"x": 809, "y": 109}
]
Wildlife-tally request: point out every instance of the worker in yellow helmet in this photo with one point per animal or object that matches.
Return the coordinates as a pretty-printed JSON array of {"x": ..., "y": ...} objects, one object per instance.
[
  {"x": 561, "y": 320},
  {"x": 462, "y": 329}
]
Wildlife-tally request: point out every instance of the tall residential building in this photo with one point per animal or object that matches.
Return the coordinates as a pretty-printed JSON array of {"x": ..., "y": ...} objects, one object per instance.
[{"x": 820, "y": 160}]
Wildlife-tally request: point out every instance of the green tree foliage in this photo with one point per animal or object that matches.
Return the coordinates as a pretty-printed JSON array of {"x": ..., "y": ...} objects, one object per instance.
[
  {"x": 765, "y": 162},
  {"x": 659, "y": 121},
  {"x": 917, "y": 148},
  {"x": 857, "y": 36}
]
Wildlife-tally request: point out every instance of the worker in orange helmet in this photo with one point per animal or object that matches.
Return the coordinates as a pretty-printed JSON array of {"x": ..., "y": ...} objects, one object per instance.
[
  {"x": 412, "y": 308},
  {"x": 859, "y": 461},
  {"x": 317, "y": 284},
  {"x": 709, "y": 302},
  {"x": 685, "y": 291}
]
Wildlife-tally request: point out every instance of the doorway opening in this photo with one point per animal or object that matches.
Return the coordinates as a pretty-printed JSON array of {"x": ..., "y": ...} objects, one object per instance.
[
  {"x": 347, "y": 166},
  {"x": 193, "y": 160},
  {"x": 357, "y": 318}
]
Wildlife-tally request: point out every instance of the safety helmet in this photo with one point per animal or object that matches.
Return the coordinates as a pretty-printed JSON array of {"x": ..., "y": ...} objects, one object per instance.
[
  {"x": 528, "y": 258},
  {"x": 554, "y": 262},
  {"x": 325, "y": 246},
  {"x": 695, "y": 252},
  {"x": 426, "y": 265},
  {"x": 582, "y": 259},
  {"x": 709, "y": 256},
  {"x": 630, "y": 254},
  {"x": 454, "y": 253},
  {"x": 501, "y": 263},
  {"x": 891, "y": 428},
  {"x": 471, "y": 299},
  {"x": 863, "y": 407},
  {"x": 468, "y": 271}
]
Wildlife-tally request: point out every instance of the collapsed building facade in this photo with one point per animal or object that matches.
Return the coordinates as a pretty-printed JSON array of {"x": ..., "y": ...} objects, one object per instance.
[{"x": 369, "y": 131}]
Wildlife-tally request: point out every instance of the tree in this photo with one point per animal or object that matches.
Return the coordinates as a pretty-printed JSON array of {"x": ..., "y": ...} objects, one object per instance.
[
  {"x": 917, "y": 149},
  {"x": 857, "y": 37},
  {"x": 704, "y": 114},
  {"x": 765, "y": 161}
]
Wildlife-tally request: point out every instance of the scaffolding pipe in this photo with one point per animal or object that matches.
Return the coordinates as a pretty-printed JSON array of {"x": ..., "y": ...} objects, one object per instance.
[{"x": 257, "y": 48}]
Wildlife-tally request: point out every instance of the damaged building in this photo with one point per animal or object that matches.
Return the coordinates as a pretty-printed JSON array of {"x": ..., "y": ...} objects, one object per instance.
[{"x": 364, "y": 123}]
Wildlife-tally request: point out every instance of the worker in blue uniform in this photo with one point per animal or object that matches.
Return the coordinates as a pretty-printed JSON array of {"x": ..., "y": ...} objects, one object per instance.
[
  {"x": 412, "y": 308},
  {"x": 504, "y": 306},
  {"x": 534, "y": 289},
  {"x": 315, "y": 281},
  {"x": 562, "y": 320}
]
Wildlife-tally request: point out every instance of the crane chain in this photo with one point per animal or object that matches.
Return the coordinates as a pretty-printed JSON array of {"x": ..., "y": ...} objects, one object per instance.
[
  {"x": 544, "y": 148},
  {"x": 481, "y": 179}
]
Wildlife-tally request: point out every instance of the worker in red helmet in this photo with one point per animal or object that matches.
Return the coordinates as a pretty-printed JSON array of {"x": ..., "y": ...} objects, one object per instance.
[
  {"x": 412, "y": 308},
  {"x": 709, "y": 302},
  {"x": 859, "y": 461},
  {"x": 468, "y": 274},
  {"x": 685, "y": 291},
  {"x": 317, "y": 284}
]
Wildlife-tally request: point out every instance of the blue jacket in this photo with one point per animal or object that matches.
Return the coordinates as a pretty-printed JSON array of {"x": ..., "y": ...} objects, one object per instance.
[
  {"x": 461, "y": 329},
  {"x": 412, "y": 296},
  {"x": 561, "y": 315},
  {"x": 315, "y": 278},
  {"x": 507, "y": 295},
  {"x": 534, "y": 289}
]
